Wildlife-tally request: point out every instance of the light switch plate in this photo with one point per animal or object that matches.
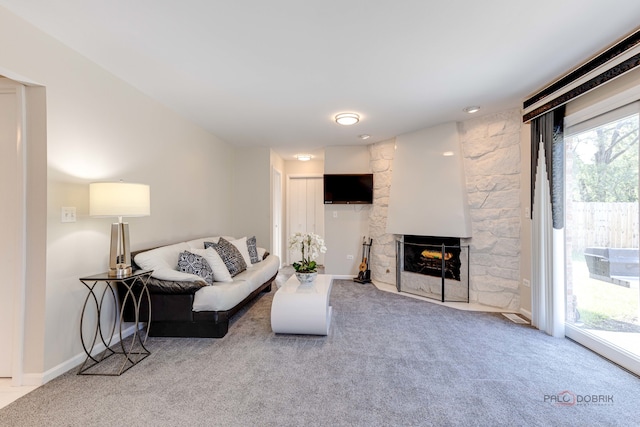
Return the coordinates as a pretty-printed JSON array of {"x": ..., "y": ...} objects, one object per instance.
[{"x": 68, "y": 214}]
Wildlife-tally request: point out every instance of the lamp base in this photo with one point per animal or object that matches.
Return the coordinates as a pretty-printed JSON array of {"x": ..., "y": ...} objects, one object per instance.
[
  {"x": 120, "y": 271},
  {"x": 119, "y": 254}
]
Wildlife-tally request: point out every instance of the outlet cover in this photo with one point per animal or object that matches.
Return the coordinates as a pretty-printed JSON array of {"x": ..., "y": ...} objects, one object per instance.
[{"x": 68, "y": 214}]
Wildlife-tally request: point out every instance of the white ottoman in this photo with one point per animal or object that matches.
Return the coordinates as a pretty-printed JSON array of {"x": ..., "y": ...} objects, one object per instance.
[{"x": 302, "y": 309}]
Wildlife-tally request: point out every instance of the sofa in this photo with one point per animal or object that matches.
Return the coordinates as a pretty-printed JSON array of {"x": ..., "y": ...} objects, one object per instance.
[{"x": 198, "y": 285}]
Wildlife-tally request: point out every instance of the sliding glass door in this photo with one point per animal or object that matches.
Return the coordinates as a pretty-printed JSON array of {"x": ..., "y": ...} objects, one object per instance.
[{"x": 602, "y": 264}]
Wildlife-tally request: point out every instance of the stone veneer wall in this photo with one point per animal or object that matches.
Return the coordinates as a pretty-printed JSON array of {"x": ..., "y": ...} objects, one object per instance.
[
  {"x": 491, "y": 150},
  {"x": 492, "y": 162},
  {"x": 383, "y": 250}
]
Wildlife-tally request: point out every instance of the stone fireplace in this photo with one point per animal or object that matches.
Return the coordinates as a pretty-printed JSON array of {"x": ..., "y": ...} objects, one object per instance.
[{"x": 491, "y": 156}]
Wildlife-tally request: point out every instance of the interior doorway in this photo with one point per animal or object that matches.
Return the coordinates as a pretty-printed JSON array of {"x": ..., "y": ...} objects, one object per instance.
[
  {"x": 305, "y": 209},
  {"x": 277, "y": 213},
  {"x": 12, "y": 228}
]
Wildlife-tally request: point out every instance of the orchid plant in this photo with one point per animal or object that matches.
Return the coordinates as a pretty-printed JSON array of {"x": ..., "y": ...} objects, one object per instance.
[{"x": 311, "y": 245}]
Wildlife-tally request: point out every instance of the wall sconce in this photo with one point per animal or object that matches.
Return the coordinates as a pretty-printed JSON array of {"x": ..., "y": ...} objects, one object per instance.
[{"x": 119, "y": 199}]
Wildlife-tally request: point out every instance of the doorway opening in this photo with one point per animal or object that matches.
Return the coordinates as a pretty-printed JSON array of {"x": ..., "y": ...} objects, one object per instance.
[
  {"x": 305, "y": 209},
  {"x": 602, "y": 161}
]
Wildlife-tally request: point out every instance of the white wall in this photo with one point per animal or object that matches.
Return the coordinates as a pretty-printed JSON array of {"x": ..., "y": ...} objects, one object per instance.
[
  {"x": 252, "y": 194},
  {"x": 99, "y": 128},
  {"x": 345, "y": 225},
  {"x": 296, "y": 167}
]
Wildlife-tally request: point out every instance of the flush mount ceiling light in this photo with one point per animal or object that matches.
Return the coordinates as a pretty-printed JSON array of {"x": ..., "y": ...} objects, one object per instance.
[
  {"x": 303, "y": 157},
  {"x": 347, "y": 119},
  {"x": 471, "y": 110}
]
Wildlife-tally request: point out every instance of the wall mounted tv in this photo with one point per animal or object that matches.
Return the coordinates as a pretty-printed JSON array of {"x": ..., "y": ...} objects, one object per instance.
[{"x": 348, "y": 189}]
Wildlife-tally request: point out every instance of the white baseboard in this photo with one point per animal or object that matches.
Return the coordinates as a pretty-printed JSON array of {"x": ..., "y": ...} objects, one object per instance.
[
  {"x": 32, "y": 380},
  {"x": 526, "y": 313},
  {"x": 67, "y": 365}
]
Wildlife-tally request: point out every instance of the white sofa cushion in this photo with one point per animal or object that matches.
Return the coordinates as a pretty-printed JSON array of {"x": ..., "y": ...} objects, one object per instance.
[
  {"x": 199, "y": 243},
  {"x": 261, "y": 252},
  {"x": 163, "y": 261},
  {"x": 225, "y": 296}
]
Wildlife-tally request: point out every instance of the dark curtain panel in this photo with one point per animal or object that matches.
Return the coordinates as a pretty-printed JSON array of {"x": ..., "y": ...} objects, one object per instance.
[{"x": 550, "y": 127}]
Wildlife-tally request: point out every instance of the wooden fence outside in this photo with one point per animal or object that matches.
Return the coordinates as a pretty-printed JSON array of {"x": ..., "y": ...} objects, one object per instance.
[{"x": 613, "y": 225}]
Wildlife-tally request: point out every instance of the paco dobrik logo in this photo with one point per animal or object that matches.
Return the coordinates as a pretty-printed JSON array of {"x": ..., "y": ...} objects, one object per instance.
[{"x": 568, "y": 398}]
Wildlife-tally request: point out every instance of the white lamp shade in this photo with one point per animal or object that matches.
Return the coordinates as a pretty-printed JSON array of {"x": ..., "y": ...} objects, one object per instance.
[{"x": 121, "y": 199}]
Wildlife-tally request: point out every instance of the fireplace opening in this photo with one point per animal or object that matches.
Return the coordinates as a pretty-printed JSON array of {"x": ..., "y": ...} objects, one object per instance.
[
  {"x": 429, "y": 255},
  {"x": 433, "y": 267}
]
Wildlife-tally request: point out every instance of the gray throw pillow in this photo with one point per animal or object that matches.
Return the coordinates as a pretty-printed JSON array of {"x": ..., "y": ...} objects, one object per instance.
[
  {"x": 230, "y": 255},
  {"x": 252, "y": 247},
  {"x": 195, "y": 264}
]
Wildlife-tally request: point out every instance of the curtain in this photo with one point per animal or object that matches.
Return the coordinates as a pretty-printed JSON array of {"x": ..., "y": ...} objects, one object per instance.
[{"x": 547, "y": 198}]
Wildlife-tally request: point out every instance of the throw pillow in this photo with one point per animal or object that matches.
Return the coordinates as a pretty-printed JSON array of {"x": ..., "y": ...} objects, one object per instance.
[
  {"x": 195, "y": 264},
  {"x": 230, "y": 255},
  {"x": 252, "y": 247},
  {"x": 241, "y": 245},
  {"x": 220, "y": 272}
]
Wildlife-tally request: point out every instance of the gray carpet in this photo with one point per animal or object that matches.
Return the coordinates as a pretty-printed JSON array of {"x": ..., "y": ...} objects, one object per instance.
[{"x": 388, "y": 361}]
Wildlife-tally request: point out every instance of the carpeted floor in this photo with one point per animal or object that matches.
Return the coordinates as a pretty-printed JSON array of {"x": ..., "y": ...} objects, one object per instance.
[{"x": 388, "y": 361}]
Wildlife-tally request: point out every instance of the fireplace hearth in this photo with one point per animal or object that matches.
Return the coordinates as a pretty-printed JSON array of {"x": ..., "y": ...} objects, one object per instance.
[{"x": 434, "y": 267}]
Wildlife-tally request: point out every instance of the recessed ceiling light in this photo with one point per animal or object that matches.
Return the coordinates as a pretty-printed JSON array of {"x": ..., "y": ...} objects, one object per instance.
[
  {"x": 471, "y": 110},
  {"x": 303, "y": 157},
  {"x": 347, "y": 119},
  {"x": 365, "y": 136},
  {"x": 448, "y": 153}
]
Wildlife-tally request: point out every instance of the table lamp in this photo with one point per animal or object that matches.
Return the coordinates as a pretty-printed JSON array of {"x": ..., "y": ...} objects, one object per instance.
[{"x": 119, "y": 199}]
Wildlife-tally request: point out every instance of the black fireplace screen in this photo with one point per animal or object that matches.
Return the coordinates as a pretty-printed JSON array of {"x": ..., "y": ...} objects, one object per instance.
[{"x": 424, "y": 255}]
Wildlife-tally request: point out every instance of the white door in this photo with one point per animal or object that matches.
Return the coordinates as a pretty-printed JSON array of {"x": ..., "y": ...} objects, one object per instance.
[
  {"x": 9, "y": 225},
  {"x": 277, "y": 214},
  {"x": 306, "y": 210}
]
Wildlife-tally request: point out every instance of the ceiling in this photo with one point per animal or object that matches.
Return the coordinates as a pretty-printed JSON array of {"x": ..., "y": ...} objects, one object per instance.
[{"x": 274, "y": 73}]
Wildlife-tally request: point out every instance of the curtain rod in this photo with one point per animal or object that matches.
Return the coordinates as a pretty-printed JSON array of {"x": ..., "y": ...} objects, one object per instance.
[{"x": 611, "y": 53}]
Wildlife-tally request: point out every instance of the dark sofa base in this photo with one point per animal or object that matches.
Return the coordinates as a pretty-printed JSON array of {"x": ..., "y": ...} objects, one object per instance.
[{"x": 172, "y": 316}]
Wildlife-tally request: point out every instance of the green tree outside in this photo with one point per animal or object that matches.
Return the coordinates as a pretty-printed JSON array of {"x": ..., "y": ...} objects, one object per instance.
[{"x": 606, "y": 163}]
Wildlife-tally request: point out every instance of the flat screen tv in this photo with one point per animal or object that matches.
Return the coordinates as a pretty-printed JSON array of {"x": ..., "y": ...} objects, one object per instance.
[{"x": 348, "y": 189}]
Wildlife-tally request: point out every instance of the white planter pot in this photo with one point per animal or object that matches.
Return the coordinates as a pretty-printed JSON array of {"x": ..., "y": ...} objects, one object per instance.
[{"x": 306, "y": 278}]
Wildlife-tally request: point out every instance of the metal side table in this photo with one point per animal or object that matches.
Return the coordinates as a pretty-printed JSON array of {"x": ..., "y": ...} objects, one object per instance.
[{"x": 127, "y": 355}]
